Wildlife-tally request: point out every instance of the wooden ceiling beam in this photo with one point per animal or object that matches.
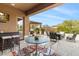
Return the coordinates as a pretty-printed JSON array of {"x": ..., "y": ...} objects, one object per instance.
[{"x": 38, "y": 7}]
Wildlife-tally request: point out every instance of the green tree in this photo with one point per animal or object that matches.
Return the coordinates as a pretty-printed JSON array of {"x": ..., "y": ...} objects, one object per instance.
[{"x": 69, "y": 26}]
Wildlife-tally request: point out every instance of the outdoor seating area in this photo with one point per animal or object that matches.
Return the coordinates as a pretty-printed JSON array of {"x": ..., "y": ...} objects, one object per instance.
[
  {"x": 72, "y": 38},
  {"x": 39, "y": 47},
  {"x": 42, "y": 47},
  {"x": 25, "y": 32},
  {"x": 11, "y": 34},
  {"x": 55, "y": 36}
]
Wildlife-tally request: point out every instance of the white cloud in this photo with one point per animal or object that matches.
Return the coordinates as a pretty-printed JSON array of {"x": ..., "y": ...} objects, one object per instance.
[
  {"x": 39, "y": 19},
  {"x": 47, "y": 17},
  {"x": 65, "y": 11},
  {"x": 56, "y": 17}
]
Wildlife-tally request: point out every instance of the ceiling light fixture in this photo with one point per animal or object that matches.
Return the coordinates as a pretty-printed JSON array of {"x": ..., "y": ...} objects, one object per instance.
[
  {"x": 13, "y": 4},
  {"x": 1, "y": 14}
]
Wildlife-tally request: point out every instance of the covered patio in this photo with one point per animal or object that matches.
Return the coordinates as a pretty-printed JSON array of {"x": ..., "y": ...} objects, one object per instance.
[{"x": 8, "y": 28}]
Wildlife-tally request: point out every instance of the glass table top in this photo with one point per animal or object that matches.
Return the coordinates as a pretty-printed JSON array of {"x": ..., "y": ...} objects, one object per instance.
[{"x": 41, "y": 39}]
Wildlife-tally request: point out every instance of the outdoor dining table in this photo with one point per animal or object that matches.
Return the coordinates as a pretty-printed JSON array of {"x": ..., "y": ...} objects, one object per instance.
[{"x": 37, "y": 40}]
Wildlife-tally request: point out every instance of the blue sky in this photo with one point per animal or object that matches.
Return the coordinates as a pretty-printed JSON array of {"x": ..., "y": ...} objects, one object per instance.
[{"x": 58, "y": 14}]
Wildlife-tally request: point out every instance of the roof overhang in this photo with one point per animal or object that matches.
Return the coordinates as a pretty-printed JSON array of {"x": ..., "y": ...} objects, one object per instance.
[
  {"x": 32, "y": 8},
  {"x": 41, "y": 7}
]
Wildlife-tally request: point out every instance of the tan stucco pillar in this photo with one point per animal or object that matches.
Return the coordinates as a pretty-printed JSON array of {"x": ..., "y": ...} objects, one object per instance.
[{"x": 26, "y": 24}]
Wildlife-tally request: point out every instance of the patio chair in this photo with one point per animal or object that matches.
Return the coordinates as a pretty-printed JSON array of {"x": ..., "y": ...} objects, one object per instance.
[
  {"x": 58, "y": 36},
  {"x": 26, "y": 51},
  {"x": 72, "y": 38},
  {"x": 47, "y": 51},
  {"x": 61, "y": 35},
  {"x": 54, "y": 36}
]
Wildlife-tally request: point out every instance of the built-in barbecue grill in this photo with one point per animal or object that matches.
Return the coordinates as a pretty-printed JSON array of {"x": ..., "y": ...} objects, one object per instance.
[{"x": 8, "y": 39}]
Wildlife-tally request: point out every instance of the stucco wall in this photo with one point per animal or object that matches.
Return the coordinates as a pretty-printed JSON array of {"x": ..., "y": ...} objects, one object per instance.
[{"x": 10, "y": 26}]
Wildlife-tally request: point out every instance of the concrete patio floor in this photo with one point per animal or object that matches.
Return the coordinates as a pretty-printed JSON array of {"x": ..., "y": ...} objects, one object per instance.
[
  {"x": 22, "y": 45},
  {"x": 66, "y": 48},
  {"x": 61, "y": 47}
]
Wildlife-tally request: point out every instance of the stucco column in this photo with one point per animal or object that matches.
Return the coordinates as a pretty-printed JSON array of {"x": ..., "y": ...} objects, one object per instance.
[{"x": 26, "y": 24}]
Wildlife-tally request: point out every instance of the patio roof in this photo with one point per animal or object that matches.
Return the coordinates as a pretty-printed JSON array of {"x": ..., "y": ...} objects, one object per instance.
[
  {"x": 32, "y": 8},
  {"x": 23, "y": 10}
]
